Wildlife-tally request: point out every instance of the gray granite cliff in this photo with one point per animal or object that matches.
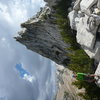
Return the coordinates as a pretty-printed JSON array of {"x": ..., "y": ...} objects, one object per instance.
[{"x": 40, "y": 34}]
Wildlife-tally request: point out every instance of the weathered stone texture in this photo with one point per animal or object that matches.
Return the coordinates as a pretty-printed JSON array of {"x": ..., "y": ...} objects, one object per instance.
[
  {"x": 85, "y": 19},
  {"x": 87, "y": 24},
  {"x": 42, "y": 35}
]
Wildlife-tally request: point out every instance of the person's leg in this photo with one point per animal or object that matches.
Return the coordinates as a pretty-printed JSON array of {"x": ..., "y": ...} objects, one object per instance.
[
  {"x": 92, "y": 75},
  {"x": 89, "y": 78},
  {"x": 96, "y": 77},
  {"x": 90, "y": 81}
]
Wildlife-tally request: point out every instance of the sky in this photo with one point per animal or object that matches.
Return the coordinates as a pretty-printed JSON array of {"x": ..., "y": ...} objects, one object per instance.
[{"x": 12, "y": 86}]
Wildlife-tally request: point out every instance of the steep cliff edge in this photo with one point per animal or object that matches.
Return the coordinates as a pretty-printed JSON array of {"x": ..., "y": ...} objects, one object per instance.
[{"x": 42, "y": 35}]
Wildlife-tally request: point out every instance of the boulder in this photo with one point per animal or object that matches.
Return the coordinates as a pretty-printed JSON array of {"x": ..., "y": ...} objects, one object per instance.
[
  {"x": 94, "y": 53},
  {"x": 87, "y": 4},
  {"x": 84, "y": 37}
]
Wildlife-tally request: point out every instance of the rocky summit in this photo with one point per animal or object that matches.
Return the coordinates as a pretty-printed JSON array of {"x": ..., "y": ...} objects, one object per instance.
[{"x": 40, "y": 34}]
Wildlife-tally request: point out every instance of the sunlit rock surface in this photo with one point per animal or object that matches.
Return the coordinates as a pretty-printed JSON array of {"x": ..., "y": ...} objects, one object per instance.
[
  {"x": 85, "y": 19},
  {"x": 87, "y": 4},
  {"x": 84, "y": 36}
]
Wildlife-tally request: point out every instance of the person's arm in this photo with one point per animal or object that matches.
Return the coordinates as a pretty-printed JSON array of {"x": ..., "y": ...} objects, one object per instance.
[{"x": 92, "y": 75}]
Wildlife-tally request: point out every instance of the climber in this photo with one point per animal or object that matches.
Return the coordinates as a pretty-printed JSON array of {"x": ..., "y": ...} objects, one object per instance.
[{"x": 85, "y": 77}]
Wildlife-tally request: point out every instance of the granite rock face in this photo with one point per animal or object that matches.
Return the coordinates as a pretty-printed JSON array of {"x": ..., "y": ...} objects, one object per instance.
[
  {"x": 85, "y": 19},
  {"x": 40, "y": 34}
]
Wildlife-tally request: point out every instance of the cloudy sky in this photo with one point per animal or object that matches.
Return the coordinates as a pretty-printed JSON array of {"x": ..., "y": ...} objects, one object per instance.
[{"x": 12, "y": 86}]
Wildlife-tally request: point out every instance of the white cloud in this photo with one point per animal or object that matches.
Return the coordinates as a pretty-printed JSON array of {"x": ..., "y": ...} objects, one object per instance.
[
  {"x": 4, "y": 14},
  {"x": 12, "y": 87},
  {"x": 29, "y": 78}
]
